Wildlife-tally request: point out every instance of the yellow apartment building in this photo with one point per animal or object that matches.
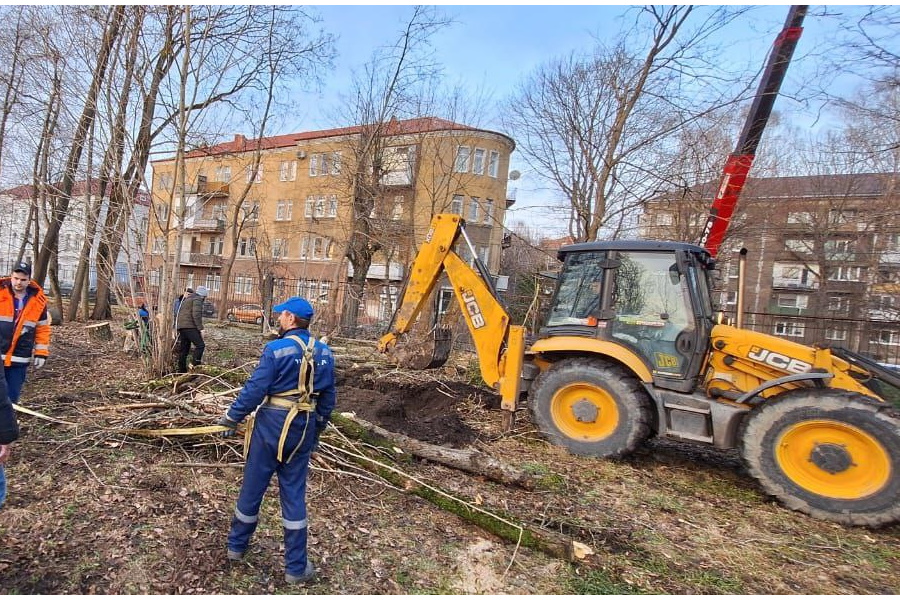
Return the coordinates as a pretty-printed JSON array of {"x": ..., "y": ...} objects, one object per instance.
[{"x": 261, "y": 220}]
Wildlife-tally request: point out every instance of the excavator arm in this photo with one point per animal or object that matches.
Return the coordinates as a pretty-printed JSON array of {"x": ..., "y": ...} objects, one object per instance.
[{"x": 500, "y": 346}]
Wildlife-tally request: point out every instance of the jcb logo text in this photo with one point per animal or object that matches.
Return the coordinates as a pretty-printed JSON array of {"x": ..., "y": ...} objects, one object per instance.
[
  {"x": 473, "y": 309},
  {"x": 779, "y": 361}
]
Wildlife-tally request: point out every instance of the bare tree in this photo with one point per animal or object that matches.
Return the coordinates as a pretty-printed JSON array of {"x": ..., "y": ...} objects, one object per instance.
[{"x": 590, "y": 124}]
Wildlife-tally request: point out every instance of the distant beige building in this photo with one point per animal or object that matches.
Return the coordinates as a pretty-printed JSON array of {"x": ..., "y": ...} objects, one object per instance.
[
  {"x": 288, "y": 220},
  {"x": 823, "y": 256}
]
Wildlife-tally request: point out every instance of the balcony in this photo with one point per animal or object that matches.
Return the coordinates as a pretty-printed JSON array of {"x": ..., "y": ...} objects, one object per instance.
[
  {"x": 794, "y": 284},
  {"x": 201, "y": 260},
  {"x": 207, "y": 189},
  {"x": 210, "y": 225}
]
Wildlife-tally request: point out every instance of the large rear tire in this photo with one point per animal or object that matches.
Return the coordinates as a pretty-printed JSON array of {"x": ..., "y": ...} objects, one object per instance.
[
  {"x": 591, "y": 407},
  {"x": 831, "y": 454}
]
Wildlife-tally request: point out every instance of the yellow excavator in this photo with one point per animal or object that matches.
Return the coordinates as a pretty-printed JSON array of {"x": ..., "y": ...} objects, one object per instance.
[{"x": 631, "y": 347}]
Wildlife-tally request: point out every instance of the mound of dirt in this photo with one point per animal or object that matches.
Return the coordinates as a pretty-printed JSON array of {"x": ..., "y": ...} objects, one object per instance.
[{"x": 425, "y": 411}]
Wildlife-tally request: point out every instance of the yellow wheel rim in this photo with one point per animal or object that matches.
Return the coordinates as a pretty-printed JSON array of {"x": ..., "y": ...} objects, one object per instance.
[
  {"x": 584, "y": 412},
  {"x": 833, "y": 459}
]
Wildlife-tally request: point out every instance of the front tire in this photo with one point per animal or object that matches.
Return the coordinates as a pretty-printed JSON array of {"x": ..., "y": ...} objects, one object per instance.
[
  {"x": 831, "y": 454},
  {"x": 259, "y": 320},
  {"x": 591, "y": 407},
  {"x": 231, "y": 317}
]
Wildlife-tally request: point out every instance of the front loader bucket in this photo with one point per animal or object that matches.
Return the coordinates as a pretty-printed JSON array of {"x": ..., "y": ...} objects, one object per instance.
[{"x": 428, "y": 351}]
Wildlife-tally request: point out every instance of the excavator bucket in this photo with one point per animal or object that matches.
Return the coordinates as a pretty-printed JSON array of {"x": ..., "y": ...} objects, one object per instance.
[{"x": 425, "y": 351}]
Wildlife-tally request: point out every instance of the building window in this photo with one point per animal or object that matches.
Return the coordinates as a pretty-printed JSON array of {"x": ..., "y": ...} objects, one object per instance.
[
  {"x": 254, "y": 175},
  {"x": 793, "y": 300},
  {"x": 164, "y": 182},
  {"x": 251, "y": 211},
  {"x": 456, "y": 206},
  {"x": 800, "y": 218},
  {"x": 798, "y": 246},
  {"x": 316, "y": 248},
  {"x": 494, "y": 164},
  {"x": 461, "y": 164},
  {"x": 478, "y": 162},
  {"x": 284, "y": 210},
  {"x": 397, "y": 212},
  {"x": 288, "y": 170},
  {"x": 279, "y": 248},
  {"x": 216, "y": 245},
  {"x": 793, "y": 275},
  {"x": 838, "y": 304},
  {"x": 397, "y": 165},
  {"x": 839, "y": 250},
  {"x": 445, "y": 300},
  {"x": 162, "y": 212},
  {"x": 473, "y": 210},
  {"x": 730, "y": 298},
  {"x": 837, "y": 216},
  {"x": 886, "y": 337},
  {"x": 213, "y": 282},
  {"x": 845, "y": 274},
  {"x": 489, "y": 212},
  {"x": 665, "y": 218},
  {"x": 159, "y": 245},
  {"x": 789, "y": 329},
  {"x": 247, "y": 247},
  {"x": 223, "y": 174},
  {"x": 324, "y": 163},
  {"x": 893, "y": 242},
  {"x": 836, "y": 335}
]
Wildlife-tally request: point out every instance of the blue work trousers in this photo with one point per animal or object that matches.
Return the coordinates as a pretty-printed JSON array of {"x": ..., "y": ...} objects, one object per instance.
[
  {"x": 15, "y": 379},
  {"x": 2, "y": 486},
  {"x": 261, "y": 463}
]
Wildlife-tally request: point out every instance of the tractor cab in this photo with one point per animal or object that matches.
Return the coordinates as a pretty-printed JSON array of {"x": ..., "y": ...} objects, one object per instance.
[{"x": 653, "y": 298}]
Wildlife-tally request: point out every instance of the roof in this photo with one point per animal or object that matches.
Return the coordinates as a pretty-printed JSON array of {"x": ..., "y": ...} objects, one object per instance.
[
  {"x": 813, "y": 186},
  {"x": 630, "y": 245},
  {"x": 393, "y": 127},
  {"x": 25, "y": 192}
]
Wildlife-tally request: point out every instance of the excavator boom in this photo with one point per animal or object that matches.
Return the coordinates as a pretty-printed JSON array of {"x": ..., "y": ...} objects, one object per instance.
[{"x": 499, "y": 345}]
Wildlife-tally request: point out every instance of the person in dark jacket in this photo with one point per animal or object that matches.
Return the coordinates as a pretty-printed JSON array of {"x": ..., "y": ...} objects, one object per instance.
[
  {"x": 9, "y": 432},
  {"x": 294, "y": 389},
  {"x": 189, "y": 324}
]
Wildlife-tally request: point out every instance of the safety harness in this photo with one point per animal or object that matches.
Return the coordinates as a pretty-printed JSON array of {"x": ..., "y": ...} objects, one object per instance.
[{"x": 296, "y": 400}]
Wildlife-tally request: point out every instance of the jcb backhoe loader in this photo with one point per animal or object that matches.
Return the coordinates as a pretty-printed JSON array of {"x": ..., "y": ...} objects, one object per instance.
[{"x": 631, "y": 348}]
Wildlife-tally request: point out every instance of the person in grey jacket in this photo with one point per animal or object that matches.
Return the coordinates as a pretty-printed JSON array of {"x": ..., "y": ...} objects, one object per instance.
[{"x": 189, "y": 323}]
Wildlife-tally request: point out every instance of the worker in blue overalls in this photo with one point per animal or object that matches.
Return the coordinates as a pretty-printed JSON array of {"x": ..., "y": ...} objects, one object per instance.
[{"x": 294, "y": 388}]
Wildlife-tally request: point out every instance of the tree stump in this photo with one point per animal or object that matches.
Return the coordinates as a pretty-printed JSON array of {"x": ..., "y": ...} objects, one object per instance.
[{"x": 99, "y": 331}]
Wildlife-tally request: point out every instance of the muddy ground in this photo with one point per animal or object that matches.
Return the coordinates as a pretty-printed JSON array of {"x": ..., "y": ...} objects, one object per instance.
[{"x": 94, "y": 510}]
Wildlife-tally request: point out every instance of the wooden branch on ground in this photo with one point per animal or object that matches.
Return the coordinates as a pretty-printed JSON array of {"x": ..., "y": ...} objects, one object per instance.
[
  {"x": 468, "y": 460},
  {"x": 505, "y": 527}
]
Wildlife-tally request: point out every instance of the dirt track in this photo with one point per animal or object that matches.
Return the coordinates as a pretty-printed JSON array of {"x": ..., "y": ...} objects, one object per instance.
[{"x": 94, "y": 511}]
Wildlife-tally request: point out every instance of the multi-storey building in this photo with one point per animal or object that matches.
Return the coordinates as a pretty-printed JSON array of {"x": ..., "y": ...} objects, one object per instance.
[
  {"x": 16, "y": 204},
  {"x": 280, "y": 210},
  {"x": 823, "y": 261}
]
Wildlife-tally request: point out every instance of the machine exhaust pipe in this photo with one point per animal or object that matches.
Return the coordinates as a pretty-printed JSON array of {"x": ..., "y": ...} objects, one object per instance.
[{"x": 742, "y": 270}]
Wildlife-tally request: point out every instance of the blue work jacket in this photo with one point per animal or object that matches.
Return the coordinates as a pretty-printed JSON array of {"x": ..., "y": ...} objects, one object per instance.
[{"x": 279, "y": 370}]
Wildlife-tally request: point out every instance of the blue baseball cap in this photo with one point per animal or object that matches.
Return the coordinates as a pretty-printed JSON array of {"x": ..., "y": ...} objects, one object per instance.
[{"x": 297, "y": 306}]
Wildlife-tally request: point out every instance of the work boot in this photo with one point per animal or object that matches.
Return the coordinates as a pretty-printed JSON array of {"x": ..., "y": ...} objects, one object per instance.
[
  {"x": 235, "y": 555},
  {"x": 308, "y": 574}
]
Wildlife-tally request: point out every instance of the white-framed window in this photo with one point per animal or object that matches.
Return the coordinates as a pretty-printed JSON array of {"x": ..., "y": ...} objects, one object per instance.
[
  {"x": 798, "y": 246},
  {"x": 249, "y": 282},
  {"x": 154, "y": 277},
  {"x": 837, "y": 334},
  {"x": 884, "y": 302},
  {"x": 213, "y": 282},
  {"x": 473, "y": 210},
  {"x": 320, "y": 207},
  {"x": 478, "y": 161},
  {"x": 665, "y": 218},
  {"x": 494, "y": 164},
  {"x": 314, "y": 247},
  {"x": 218, "y": 211},
  {"x": 247, "y": 247},
  {"x": 800, "y": 218},
  {"x": 164, "y": 182},
  {"x": 484, "y": 253},
  {"x": 251, "y": 211},
  {"x": 324, "y": 163},
  {"x": 840, "y": 250},
  {"x": 730, "y": 298},
  {"x": 456, "y": 206},
  {"x": 398, "y": 165},
  {"x": 397, "y": 211},
  {"x": 838, "y": 304},
  {"x": 189, "y": 282},
  {"x": 279, "y": 248},
  {"x": 162, "y": 211},
  {"x": 489, "y": 212},
  {"x": 892, "y": 243},
  {"x": 445, "y": 301},
  {"x": 841, "y": 216},
  {"x": 886, "y": 337},
  {"x": 159, "y": 245},
  {"x": 331, "y": 210},
  {"x": 793, "y": 300},
  {"x": 793, "y": 275},
  {"x": 387, "y": 298},
  {"x": 789, "y": 328},
  {"x": 254, "y": 175},
  {"x": 288, "y": 170},
  {"x": 461, "y": 164},
  {"x": 223, "y": 173},
  {"x": 844, "y": 273},
  {"x": 216, "y": 245},
  {"x": 284, "y": 210}
]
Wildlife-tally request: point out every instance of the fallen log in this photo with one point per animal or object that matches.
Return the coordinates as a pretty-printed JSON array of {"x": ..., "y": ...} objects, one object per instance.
[
  {"x": 468, "y": 460},
  {"x": 495, "y": 522}
]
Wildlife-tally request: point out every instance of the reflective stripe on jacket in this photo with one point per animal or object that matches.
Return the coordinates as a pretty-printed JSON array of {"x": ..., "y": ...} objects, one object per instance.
[{"x": 29, "y": 335}]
